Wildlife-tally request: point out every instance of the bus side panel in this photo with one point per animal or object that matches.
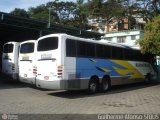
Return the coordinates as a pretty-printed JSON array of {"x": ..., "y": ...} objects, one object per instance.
[
  {"x": 7, "y": 63},
  {"x": 120, "y": 71},
  {"x": 16, "y": 55},
  {"x": 88, "y": 67},
  {"x": 69, "y": 68},
  {"x": 70, "y": 76},
  {"x": 143, "y": 67}
]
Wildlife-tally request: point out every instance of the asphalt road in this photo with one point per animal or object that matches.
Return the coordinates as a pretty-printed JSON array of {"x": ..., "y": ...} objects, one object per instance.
[{"x": 26, "y": 100}]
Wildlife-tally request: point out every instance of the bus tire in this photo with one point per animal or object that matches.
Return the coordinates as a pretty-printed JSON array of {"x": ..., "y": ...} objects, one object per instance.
[
  {"x": 93, "y": 85},
  {"x": 148, "y": 78},
  {"x": 105, "y": 84}
]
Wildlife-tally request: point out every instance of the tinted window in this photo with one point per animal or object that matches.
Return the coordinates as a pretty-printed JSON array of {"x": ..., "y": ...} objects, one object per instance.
[
  {"x": 85, "y": 49},
  {"x": 70, "y": 48},
  {"x": 81, "y": 48},
  {"x": 137, "y": 55},
  {"x": 8, "y": 48},
  {"x": 90, "y": 49},
  {"x": 107, "y": 51},
  {"x": 46, "y": 44},
  {"x": 99, "y": 51},
  {"x": 133, "y": 37},
  {"x": 117, "y": 53},
  {"x": 129, "y": 54},
  {"x": 103, "y": 51},
  {"x": 27, "y": 48},
  {"x": 146, "y": 57}
]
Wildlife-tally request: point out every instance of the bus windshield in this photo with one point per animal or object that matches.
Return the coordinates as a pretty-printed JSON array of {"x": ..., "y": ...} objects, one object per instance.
[
  {"x": 8, "y": 48},
  {"x": 47, "y": 44},
  {"x": 27, "y": 48}
]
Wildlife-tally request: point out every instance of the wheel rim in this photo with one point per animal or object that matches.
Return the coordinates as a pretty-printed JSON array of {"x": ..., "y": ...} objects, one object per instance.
[
  {"x": 105, "y": 85},
  {"x": 93, "y": 87}
]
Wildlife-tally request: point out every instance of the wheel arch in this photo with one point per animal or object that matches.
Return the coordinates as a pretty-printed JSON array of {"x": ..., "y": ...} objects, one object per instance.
[{"x": 95, "y": 77}]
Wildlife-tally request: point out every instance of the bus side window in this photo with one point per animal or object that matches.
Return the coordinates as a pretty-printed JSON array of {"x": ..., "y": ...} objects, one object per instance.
[
  {"x": 81, "y": 49},
  {"x": 128, "y": 54},
  {"x": 70, "y": 48},
  {"x": 117, "y": 53},
  {"x": 138, "y": 56},
  {"x": 99, "y": 51},
  {"x": 107, "y": 51},
  {"x": 103, "y": 51},
  {"x": 90, "y": 49}
]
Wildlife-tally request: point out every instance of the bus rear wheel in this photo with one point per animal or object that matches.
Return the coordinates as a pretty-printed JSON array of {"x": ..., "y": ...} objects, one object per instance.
[
  {"x": 93, "y": 85},
  {"x": 105, "y": 84}
]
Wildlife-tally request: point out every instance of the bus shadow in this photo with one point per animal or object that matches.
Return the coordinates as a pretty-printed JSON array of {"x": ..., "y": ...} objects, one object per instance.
[
  {"x": 8, "y": 83},
  {"x": 37, "y": 88},
  {"x": 113, "y": 90}
]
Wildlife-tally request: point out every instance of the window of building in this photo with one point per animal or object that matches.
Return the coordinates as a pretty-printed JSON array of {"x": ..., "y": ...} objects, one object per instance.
[
  {"x": 121, "y": 39},
  {"x": 108, "y": 38},
  {"x": 133, "y": 37}
]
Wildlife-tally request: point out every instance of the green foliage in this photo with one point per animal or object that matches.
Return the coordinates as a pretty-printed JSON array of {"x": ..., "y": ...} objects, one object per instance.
[
  {"x": 76, "y": 14},
  {"x": 20, "y": 12},
  {"x": 151, "y": 41},
  {"x": 112, "y": 8},
  {"x": 42, "y": 13}
]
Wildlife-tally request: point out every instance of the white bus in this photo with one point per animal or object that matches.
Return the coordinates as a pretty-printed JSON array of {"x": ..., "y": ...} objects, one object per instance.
[
  {"x": 27, "y": 69},
  {"x": 10, "y": 59},
  {"x": 71, "y": 63}
]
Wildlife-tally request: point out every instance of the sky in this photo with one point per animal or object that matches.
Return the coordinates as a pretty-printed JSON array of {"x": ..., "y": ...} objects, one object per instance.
[{"x": 9, "y": 5}]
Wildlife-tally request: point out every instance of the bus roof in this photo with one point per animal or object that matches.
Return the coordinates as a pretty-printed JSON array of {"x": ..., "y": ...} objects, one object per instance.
[
  {"x": 28, "y": 41},
  {"x": 89, "y": 40}
]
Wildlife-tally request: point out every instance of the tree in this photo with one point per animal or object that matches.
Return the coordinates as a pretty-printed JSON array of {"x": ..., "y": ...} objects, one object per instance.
[
  {"x": 113, "y": 8},
  {"x": 20, "y": 12},
  {"x": 64, "y": 10},
  {"x": 148, "y": 8},
  {"x": 151, "y": 41},
  {"x": 41, "y": 12},
  {"x": 81, "y": 14},
  {"x": 95, "y": 8}
]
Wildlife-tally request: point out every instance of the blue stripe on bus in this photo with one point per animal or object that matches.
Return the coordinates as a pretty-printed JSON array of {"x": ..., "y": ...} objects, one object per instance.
[{"x": 86, "y": 67}]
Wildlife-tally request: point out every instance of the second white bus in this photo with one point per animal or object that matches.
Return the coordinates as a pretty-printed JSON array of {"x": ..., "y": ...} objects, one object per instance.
[{"x": 27, "y": 69}]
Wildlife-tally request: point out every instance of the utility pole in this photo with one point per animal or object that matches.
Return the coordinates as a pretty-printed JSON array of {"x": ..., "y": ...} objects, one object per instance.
[{"x": 49, "y": 17}]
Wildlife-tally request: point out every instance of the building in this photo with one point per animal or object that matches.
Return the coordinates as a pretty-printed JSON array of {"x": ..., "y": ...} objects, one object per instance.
[
  {"x": 111, "y": 25},
  {"x": 126, "y": 37}
]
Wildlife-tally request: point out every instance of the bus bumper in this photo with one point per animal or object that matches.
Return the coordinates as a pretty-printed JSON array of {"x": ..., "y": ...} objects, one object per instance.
[
  {"x": 63, "y": 84},
  {"x": 27, "y": 80}
]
